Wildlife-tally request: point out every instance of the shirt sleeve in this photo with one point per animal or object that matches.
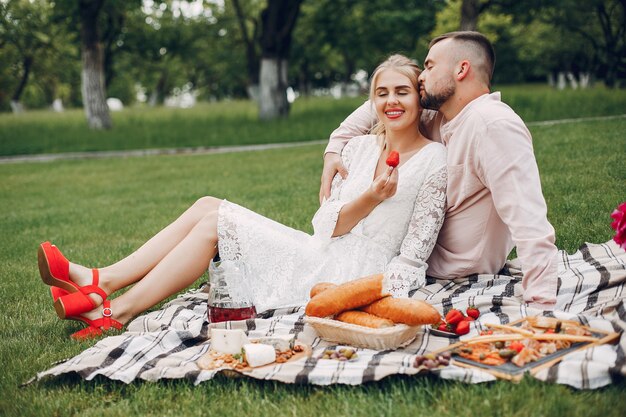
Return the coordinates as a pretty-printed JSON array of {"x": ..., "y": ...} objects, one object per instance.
[
  {"x": 407, "y": 270},
  {"x": 507, "y": 166},
  {"x": 325, "y": 219},
  {"x": 358, "y": 123}
]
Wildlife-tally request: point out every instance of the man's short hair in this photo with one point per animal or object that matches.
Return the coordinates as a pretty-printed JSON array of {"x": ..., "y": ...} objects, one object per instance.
[{"x": 479, "y": 41}]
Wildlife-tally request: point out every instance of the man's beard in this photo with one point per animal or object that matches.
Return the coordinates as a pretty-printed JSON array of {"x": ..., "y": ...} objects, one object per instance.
[{"x": 435, "y": 101}]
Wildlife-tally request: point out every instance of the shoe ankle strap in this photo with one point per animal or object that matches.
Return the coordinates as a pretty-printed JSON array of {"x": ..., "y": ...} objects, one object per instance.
[
  {"x": 107, "y": 313},
  {"x": 94, "y": 287}
]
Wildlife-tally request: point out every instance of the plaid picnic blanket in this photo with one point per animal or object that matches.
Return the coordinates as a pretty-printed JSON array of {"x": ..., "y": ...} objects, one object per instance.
[{"x": 168, "y": 342}]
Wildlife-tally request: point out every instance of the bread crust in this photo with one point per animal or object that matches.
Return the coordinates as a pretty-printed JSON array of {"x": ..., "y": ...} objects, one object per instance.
[
  {"x": 404, "y": 310},
  {"x": 320, "y": 287},
  {"x": 362, "y": 318},
  {"x": 347, "y": 296}
]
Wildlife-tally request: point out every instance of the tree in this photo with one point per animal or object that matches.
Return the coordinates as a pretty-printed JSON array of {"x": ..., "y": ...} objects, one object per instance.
[
  {"x": 335, "y": 39},
  {"x": 470, "y": 10},
  {"x": 27, "y": 27},
  {"x": 278, "y": 21},
  {"x": 92, "y": 76},
  {"x": 248, "y": 24},
  {"x": 601, "y": 24}
]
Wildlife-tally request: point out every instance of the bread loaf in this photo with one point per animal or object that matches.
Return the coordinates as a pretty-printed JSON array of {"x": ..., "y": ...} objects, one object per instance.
[
  {"x": 348, "y": 296},
  {"x": 404, "y": 310},
  {"x": 362, "y": 318},
  {"x": 320, "y": 287}
]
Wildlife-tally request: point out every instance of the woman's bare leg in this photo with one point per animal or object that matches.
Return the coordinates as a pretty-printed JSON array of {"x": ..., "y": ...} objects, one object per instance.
[
  {"x": 177, "y": 270},
  {"x": 135, "y": 266}
]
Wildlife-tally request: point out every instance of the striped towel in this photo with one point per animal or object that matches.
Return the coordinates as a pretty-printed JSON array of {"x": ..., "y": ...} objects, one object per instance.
[{"x": 168, "y": 342}]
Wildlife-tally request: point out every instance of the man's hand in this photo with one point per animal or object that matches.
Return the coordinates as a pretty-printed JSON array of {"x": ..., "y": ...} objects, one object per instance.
[{"x": 332, "y": 165}]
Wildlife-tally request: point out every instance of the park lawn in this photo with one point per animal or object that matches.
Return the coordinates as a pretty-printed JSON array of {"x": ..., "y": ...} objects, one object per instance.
[
  {"x": 98, "y": 211},
  {"x": 236, "y": 123}
]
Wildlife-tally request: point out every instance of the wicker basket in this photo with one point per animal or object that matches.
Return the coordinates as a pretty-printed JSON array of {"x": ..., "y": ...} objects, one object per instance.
[{"x": 350, "y": 334}]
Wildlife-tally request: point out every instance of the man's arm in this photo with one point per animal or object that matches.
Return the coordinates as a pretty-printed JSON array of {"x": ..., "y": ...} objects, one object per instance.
[
  {"x": 509, "y": 169},
  {"x": 358, "y": 123}
]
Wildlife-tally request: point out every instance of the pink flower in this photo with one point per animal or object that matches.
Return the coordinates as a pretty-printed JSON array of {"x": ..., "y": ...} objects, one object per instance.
[{"x": 619, "y": 215}]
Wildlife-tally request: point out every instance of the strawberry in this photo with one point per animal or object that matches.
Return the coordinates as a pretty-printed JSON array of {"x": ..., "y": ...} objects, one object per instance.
[
  {"x": 444, "y": 327},
  {"x": 462, "y": 328},
  {"x": 516, "y": 346},
  {"x": 469, "y": 318},
  {"x": 472, "y": 312},
  {"x": 393, "y": 160},
  {"x": 454, "y": 316}
]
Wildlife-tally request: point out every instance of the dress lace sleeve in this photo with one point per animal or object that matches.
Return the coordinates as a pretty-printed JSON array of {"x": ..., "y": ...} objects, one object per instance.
[
  {"x": 325, "y": 219},
  {"x": 408, "y": 269}
]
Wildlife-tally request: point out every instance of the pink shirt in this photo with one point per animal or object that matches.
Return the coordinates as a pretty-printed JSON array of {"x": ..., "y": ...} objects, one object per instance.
[{"x": 494, "y": 195}]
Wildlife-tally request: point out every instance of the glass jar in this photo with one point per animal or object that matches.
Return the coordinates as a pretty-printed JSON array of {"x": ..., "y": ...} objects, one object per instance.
[{"x": 229, "y": 298}]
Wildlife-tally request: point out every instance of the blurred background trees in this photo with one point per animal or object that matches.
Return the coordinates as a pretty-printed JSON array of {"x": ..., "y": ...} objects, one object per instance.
[{"x": 157, "y": 50}]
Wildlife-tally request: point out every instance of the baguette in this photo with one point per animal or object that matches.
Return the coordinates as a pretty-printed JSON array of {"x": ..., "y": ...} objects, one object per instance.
[
  {"x": 347, "y": 296},
  {"x": 404, "y": 310},
  {"x": 320, "y": 287},
  {"x": 362, "y": 318}
]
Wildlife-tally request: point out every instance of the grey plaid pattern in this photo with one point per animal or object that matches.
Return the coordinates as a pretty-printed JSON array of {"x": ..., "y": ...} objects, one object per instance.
[{"x": 168, "y": 342}]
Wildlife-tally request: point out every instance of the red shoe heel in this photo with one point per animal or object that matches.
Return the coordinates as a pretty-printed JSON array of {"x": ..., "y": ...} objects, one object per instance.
[
  {"x": 54, "y": 268},
  {"x": 57, "y": 292},
  {"x": 76, "y": 303},
  {"x": 97, "y": 327}
]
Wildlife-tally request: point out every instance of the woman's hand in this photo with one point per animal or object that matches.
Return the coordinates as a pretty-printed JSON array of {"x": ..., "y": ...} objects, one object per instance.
[
  {"x": 385, "y": 185},
  {"x": 332, "y": 165}
]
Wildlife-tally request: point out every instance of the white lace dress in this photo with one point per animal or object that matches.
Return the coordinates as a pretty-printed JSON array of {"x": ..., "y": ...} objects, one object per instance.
[{"x": 395, "y": 238}]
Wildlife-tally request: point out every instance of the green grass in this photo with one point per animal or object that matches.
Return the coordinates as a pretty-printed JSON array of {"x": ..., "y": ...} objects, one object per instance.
[
  {"x": 236, "y": 123},
  {"x": 208, "y": 124},
  {"x": 539, "y": 102},
  {"x": 100, "y": 210}
]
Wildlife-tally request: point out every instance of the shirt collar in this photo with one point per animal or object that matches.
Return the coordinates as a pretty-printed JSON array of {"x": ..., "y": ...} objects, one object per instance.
[{"x": 449, "y": 126}]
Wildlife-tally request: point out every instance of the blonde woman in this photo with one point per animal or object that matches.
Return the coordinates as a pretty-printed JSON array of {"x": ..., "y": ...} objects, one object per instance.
[{"x": 378, "y": 219}]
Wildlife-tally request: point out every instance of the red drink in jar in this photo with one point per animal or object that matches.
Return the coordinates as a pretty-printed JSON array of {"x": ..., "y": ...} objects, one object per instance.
[{"x": 219, "y": 314}]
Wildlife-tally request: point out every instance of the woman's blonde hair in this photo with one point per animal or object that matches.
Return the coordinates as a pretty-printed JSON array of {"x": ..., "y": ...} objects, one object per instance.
[{"x": 401, "y": 64}]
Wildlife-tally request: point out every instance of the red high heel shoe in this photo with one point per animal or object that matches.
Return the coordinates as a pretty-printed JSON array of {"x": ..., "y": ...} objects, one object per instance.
[
  {"x": 93, "y": 328},
  {"x": 54, "y": 269},
  {"x": 57, "y": 292},
  {"x": 97, "y": 327}
]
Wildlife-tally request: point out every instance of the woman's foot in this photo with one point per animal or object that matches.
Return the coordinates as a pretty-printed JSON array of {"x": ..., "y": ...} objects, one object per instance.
[
  {"x": 83, "y": 276},
  {"x": 98, "y": 320},
  {"x": 119, "y": 315},
  {"x": 81, "y": 284}
]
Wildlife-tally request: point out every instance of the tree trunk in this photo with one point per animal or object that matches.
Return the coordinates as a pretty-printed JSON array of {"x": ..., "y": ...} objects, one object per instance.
[
  {"x": 158, "y": 93},
  {"x": 470, "y": 9},
  {"x": 252, "y": 57},
  {"x": 92, "y": 76},
  {"x": 273, "y": 92},
  {"x": 304, "y": 83},
  {"x": 16, "y": 106},
  {"x": 279, "y": 19}
]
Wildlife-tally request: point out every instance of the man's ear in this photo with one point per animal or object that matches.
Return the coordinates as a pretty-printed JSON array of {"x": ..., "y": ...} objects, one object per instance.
[{"x": 463, "y": 70}]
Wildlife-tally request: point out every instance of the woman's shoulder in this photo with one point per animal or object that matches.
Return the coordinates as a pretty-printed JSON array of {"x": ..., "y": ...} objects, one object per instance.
[{"x": 437, "y": 149}]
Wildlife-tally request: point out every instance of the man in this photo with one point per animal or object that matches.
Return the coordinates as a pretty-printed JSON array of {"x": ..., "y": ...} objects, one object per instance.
[{"x": 494, "y": 193}]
